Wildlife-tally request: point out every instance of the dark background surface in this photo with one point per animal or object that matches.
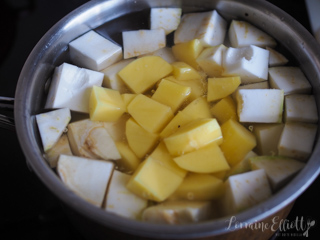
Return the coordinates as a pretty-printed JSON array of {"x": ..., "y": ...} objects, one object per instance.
[{"x": 28, "y": 210}]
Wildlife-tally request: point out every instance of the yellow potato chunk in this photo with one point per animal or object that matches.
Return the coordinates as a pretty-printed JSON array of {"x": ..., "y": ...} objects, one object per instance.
[
  {"x": 196, "y": 134},
  {"x": 188, "y": 52},
  {"x": 219, "y": 88},
  {"x": 153, "y": 180},
  {"x": 129, "y": 161},
  {"x": 199, "y": 187},
  {"x": 141, "y": 74},
  {"x": 208, "y": 159},
  {"x": 105, "y": 104},
  {"x": 224, "y": 110},
  {"x": 171, "y": 94},
  {"x": 179, "y": 120},
  {"x": 182, "y": 71},
  {"x": 198, "y": 107},
  {"x": 237, "y": 141},
  {"x": 140, "y": 141},
  {"x": 149, "y": 114},
  {"x": 127, "y": 98}
]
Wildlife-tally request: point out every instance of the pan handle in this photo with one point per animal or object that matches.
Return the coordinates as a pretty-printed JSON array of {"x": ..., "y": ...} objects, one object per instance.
[{"x": 6, "y": 113}]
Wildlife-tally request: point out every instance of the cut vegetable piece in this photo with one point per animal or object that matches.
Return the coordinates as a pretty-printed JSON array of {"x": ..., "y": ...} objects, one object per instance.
[
  {"x": 268, "y": 137},
  {"x": 51, "y": 125},
  {"x": 61, "y": 147},
  {"x": 140, "y": 141},
  {"x": 243, "y": 34},
  {"x": 88, "y": 178},
  {"x": 167, "y": 19},
  {"x": 105, "y": 104},
  {"x": 260, "y": 105},
  {"x": 300, "y": 108},
  {"x": 199, "y": 187},
  {"x": 178, "y": 212},
  {"x": 93, "y": 51},
  {"x": 188, "y": 52},
  {"x": 249, "y": 63},
  {"x": 194, "y": 135},
  {"x": 289, "y": 79},
  {"x": 224, "y": 110},
  {"x": 141, "y": 74},
  {"x": 245, "y": 190},
  {"x": 127, "y": 98},
  {"x": 139, "y": 42},
  {"x": 279, "y": 169},
  {"x": 117, "y": 129},
  {"x": 219, "y": 88},
  {"x": 198, "y": 107},
  {"x": 71, "y": 87},
  {"x": 242, "y": 166},
  {"x": 210, "y": 60},
  {"x": 177, "y": 92},
  {"x": 111, "y": 78},
  {"x": 129, "y": 161},
  {"x": 258, "y": 85},
  {"x": 120, "y": 200},
  {"x": 237, "y": 141},
  {"x": 165, "y": 53},
  {"x": 275, "y": 58},
  {"x": 297, "y": 140},
  {"x": 208, "y": 159},
  {"x": 182, "y": 71},
  {"x": 150, "y": 114}
]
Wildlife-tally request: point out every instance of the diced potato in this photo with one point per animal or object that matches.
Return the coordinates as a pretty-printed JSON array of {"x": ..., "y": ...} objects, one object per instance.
[
  {"x": 198, "y": 107},
  {"x": 268, "y": 137},
  {"x": 276, "y": 58},
  {"x": 188, "y": 52},
  {"x": 178, "y": 121},
  {"x": 297, "y": 140},
  {"x": 179, "y": 212},
  {"x": 220, "y": 175},
  {"x": 127, "y": 98},
  {"x": 117, "y": 129},
  {"x": 224, "y": 110},
  {"x": 219, "y": 88},
  {"x": 237, "y": 141},
  {"x": 165, "y": 53},
  {"x": 140, "y": 42},
  {"x": 140, "y": 141},
  {"x": 199, "y": 187},
  {"x": 105, "y": 104},
  {"x": 150, "y": 114},
  {"x": 178, "y": 94},
  {"x": 88, "y": 178},
  {"x": 93, "y": 51},
  {"x": 167, "y": 19},
  {"x": 141, "y": 74},
  {"x": 182, "y": 71},
  {"x": 242, "y": 166},
  {"x": 194, "y": 135},
  {"x": 120, "y": 200},
  {"x": 208, "y": 159},
  {"x": 152, "y": 180},
  {"x": 210, "y": 60},
  {"x": 129, "y": 161},
  {"x": 242, "y": 34}
]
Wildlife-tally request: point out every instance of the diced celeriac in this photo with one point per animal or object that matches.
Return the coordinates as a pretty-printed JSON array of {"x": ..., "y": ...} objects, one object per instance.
[
  {"x": 167, "y": 19},
  {"x": 276, "y": 58}
]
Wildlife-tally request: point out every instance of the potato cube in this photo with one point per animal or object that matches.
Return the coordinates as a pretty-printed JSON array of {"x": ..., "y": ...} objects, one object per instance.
[
  {"x": 129, "y": 161},
  {"x": 141, "y": 74},
  {"x": 194, "y": 135},
  {"x": 127, "y": 98},
  {"x": 182, "y": 71},
  {"x": 105, "y": 104},
  {"x": 208, "y": 159},
  {"x": 149, "y": 114},
  {"x": 219, "y": 88},
  {"x": 198, "y": 107},
  {"x": 237, "y": 141},
  {"x": 224, "y": 110},
  {"x": 178, "y": 121},
  {"x": 242, "y": 166}
]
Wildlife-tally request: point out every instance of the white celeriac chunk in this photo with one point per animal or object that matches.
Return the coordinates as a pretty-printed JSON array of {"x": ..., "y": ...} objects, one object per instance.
[
  {"x": 275, "y": 58},
  {"x": 71, "y": 87},
  {"x": 166, "y": 18},
  {"x": 165, "y": 53},
  {"x": 51, "y": 125},
  {"x": 257, "y": 85},
  {"x": 297, "y": 140},
  {"x": 94, "y": 52},
  {"x": 210, "y": 60},
  {"x": 120, "y": 200},
  {"x": 243, "y": 34},
  {"x": 279, "y": 169},
  {"x": 300, "y": 108},
  {"x": 268, "y": 137},
  {"x": 111, "y": 78},
  {"x": 178, "y": 212},
  {"x": 260, "y": 105},
  {"x": 140, "y": 42},
  {"x": 209, "y": 27},
  {"x": 290, "y": 79},
  {"x": 250, "y": 63},
  {"x": 88, "y": 178},
  {"x": 244, "y": 191}
]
